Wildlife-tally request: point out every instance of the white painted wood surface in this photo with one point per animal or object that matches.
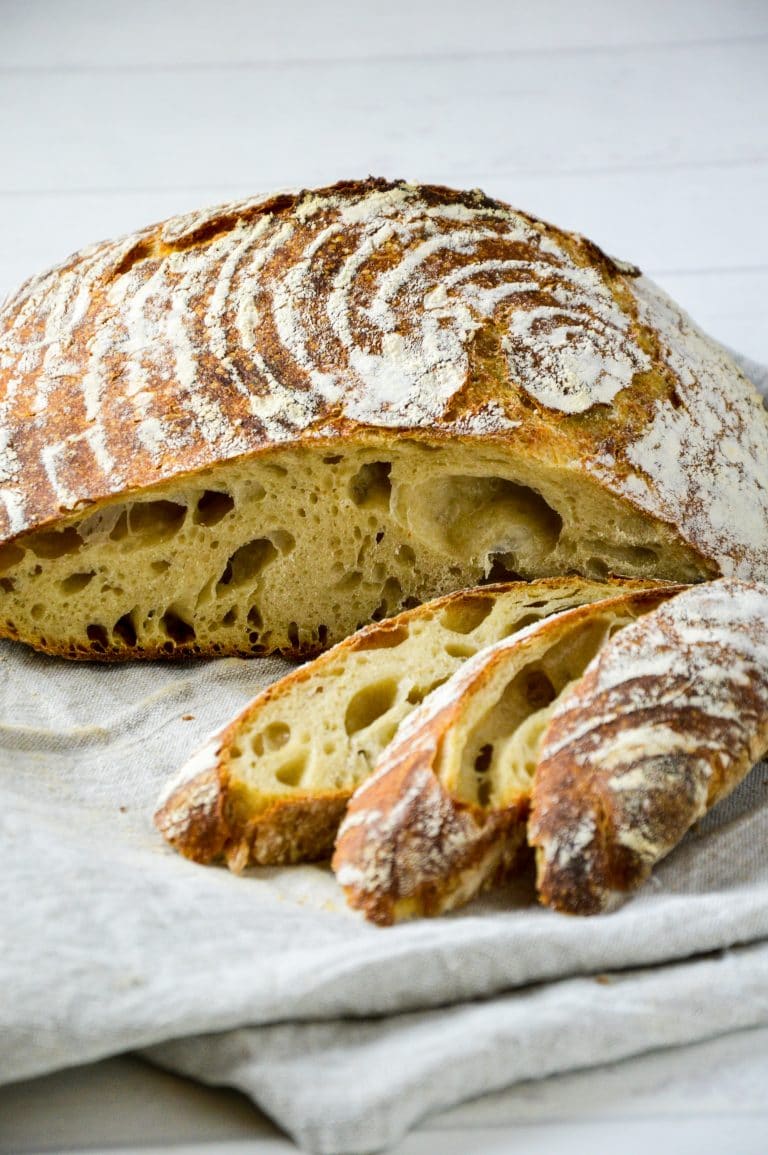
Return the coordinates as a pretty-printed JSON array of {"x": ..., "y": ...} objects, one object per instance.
[{"x": 644, "y": 125}]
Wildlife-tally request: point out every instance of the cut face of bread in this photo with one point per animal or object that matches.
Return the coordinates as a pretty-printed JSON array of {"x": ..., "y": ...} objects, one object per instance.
[
  {"x": 668, "y": 718},
  {"x": 273, "y": 785},
  {"x": 294, "y": 553},
  {"x": 253, "y": 428},
  {"x": 444, "y": 813}
]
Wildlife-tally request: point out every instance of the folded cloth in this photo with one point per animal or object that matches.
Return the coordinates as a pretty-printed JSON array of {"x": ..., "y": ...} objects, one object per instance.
[{"x": 346, "y": 1034}]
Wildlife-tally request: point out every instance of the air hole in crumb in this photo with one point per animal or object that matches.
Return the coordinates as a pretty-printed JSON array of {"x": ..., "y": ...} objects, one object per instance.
[
  {"x": 156, "y": 521},
  {"x": 7, "y": 584},
  {"x": 274, "y": 737},
  {"x": 642, "y": 555},
  {"x": 521, "y": 623},
  {"x": 160, "y": 566},
  {"x": 176, "y": 628},
  {"x": 350, "y": 581},
  {"x": 417, "y": 694},
  {"x": 465, "y": 614},
  {"x": 212, "y": 507},
  {"x": 247, "y": 562},
  {"x": 483, "y": 759},
  {"x": 125, "y": 630},
  {"x": 385, "y": 638},
  {"x": 230, "y": 617},
  {"x": 76, "y": 582},
  {"x": 410, "y": 603},
  {"x": 293, "y": 634},
  {"x": 387, "y": 731},
  {"x": 369, "y": 704},
  {"x": 379, "y": 536},
  {"x": 254, "y": 618},
  {"x": 98, "y": 637},
  {"x": 405, "y": 555},
  {"x": 539, "y": 691},
  {"x": 10, "y": 555},
  {"x": 391, "y": 595},
  {"x": 290, "y": 774},
  {"x": 322, "y": 634},
  {"x": 55, "y": 544},
  {"x": 120, "y": 528},
  {"x": 460, "y": 650},
  {"x": 371, "y": 485},
  {"x": 333, "y": 459},
  {"x": 282, "y": 540},
  {"x": 596, "y": 568},
  {"x": 482, "y": 766},
  {"x": 500, "y": 570},
  {"x": 37, "y": 611}
]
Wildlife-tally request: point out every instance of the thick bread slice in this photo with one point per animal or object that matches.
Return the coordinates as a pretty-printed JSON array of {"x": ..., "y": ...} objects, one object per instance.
[
  {"x": 444, "y": 813},
  {"x": 256, "y": 427},
  {"x": 272, "y": 786},
  {"x": 669, "y": 717}
]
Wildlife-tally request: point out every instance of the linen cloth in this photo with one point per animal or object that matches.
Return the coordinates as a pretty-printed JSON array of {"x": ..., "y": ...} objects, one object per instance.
[{"x": 346, "y": 1034}]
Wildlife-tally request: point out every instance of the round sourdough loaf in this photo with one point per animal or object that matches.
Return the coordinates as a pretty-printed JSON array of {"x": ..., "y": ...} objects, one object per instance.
[{"x": 255, "y": 427}]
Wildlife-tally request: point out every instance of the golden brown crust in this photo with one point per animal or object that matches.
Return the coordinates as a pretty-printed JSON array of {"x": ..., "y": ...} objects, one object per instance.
[
  {"x": 195, "y": 818},
  {"x": 288, "y": 831},
  {"x": 204, "y": 820},
  {"x": 418, "y": 846},
  {"x": 668, "y": 719},
  {"x": 286, "y": 320}
]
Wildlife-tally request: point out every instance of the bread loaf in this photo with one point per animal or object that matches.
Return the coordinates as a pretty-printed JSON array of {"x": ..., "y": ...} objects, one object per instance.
[
  {"x": 444, "y": 813},
  {"x": 256, "y": 427},
  {"x": 272, "y": 786},
  {"x": 668, "y": 718}
]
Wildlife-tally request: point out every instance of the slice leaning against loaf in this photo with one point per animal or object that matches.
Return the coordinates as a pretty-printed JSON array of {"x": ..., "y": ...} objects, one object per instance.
[
  {"x": 669, "y": 717},
  {"x": 272, "y": 786},
  {"x": 444, "y": 813},
  {"x": 257, "y": 427}
]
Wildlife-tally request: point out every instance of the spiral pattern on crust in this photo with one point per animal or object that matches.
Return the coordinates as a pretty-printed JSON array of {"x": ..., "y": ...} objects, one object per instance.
[{"x": 219, "y": 332}]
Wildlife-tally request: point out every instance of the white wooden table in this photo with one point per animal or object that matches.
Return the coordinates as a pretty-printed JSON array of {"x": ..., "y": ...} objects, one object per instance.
[{"x": 644, "y": 126}]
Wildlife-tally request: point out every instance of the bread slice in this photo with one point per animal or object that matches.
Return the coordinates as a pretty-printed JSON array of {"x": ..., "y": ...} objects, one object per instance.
[
  {"x": 256, "y": 427},
  {"x": 444, "y": 814},
  {"x": 272, "y": 786},
  {"x": 668, "y": 718}
]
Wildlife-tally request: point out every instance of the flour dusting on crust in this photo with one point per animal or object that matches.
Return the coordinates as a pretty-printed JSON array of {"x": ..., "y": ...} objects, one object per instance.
[
  {"x": 666, "y": 720},
  {"x": 367, "y": 305}
]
